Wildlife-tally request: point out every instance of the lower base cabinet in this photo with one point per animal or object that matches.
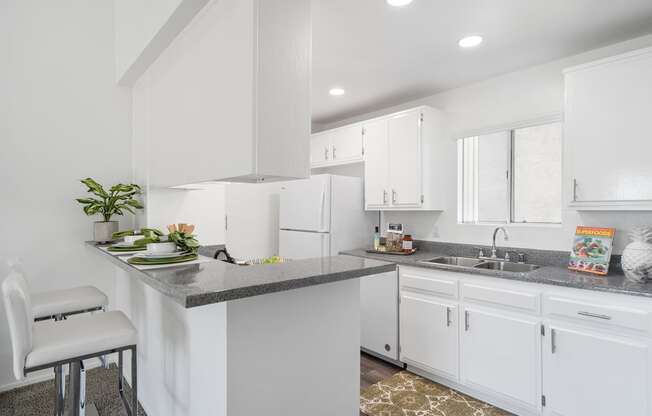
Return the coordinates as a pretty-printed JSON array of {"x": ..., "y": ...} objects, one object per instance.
[
  {"x": 500, "y": 353},
  {"x": 429, "y": 333},
  {"x": 589, "y": 373},
  {"x": 531, "y": 349}
]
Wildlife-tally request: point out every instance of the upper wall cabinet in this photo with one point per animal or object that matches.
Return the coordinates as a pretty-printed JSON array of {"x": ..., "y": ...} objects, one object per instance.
[
  {"x": 336, "y": 147},
  {"x": 607, "y": 133},
  {"x": 404, "y": 161}
]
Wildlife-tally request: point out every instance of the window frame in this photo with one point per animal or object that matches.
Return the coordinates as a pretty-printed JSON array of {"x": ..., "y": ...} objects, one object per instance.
[{"x": 511, "y": 209}]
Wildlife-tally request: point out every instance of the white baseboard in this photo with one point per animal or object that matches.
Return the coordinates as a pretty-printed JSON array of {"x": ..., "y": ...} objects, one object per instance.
[{"x": 46, "y": 375}]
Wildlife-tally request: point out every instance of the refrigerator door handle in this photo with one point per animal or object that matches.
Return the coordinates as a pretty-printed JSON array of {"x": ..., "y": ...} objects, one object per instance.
[{"x": 321, "y": 208}]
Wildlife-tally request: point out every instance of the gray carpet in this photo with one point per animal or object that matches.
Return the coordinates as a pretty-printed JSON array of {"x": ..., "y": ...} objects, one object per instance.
[{"x": 38, "y": 399}]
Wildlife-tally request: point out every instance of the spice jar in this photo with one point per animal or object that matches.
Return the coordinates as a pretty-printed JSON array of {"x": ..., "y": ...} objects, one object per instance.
[{"x": 406, "y": 244}]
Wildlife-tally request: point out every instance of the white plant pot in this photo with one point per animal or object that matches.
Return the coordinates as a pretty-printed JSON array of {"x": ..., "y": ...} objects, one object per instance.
[{"x": 103, "y": 231}]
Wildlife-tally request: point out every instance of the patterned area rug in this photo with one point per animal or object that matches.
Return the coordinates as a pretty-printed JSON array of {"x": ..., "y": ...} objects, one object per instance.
[{"x": 406, "y": 394}]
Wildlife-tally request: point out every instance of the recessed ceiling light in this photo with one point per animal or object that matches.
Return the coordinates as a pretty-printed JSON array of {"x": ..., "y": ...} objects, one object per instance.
[
  {"x": 336, "y": 91},
  {"x": 399, "y": 3},
  {"x": 470, "y": 41}
]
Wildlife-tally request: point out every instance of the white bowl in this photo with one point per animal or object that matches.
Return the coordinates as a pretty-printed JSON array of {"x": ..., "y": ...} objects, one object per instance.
[
  {"x": 130, "y": 239},
  {"x": 161, "y": 248}
]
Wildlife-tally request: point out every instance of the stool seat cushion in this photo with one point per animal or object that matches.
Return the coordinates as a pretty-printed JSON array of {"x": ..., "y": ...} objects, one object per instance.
[
  {"x": 79, "y": 336},
  {"x": 67, "y": 301}
]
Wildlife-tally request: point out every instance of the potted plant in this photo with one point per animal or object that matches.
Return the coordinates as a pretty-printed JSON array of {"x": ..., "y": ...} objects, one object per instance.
[{"x": 116, "y": 201}]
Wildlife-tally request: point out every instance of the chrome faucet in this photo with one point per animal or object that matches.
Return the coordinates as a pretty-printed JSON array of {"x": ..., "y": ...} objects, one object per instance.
[{"x": 493, "y": 244}]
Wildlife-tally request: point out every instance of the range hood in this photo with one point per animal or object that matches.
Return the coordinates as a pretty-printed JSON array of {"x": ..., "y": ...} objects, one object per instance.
[{"x": 229, "y": 99}]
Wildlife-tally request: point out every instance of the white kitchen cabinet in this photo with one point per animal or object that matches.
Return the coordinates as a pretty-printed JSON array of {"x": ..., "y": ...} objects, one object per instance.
[
  {"x": 404, "y": 138},
  {"x": 601, "y": 363},
  {"x": 607, "y": 119},
  {"x": 407, "y": 161},
  {"x": 429, "y": 333},
  {"x": 500, "y": 354},
  {"x": 336, "y": 147},
  {"x": 320, "y": 149},
  {"x": 589, "y": 373},
  {"x": 376, "y": 173},
  {"x": 379, "y": 314}
]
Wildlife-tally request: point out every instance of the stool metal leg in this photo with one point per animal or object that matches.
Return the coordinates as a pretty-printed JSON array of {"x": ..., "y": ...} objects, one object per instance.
[
  {"x": 133, "y": 409},
  {"x": 59, "y": 383},
  {"x": 134, "y": 382},
  {"x": 103, "y": 359}
]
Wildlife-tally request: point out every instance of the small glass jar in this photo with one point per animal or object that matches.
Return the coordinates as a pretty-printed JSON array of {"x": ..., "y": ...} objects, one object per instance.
[{"x": 407, "y": 243}]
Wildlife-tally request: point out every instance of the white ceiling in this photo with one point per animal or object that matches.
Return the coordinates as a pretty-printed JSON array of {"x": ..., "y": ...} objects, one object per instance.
[{"x": 383, "y": 55}]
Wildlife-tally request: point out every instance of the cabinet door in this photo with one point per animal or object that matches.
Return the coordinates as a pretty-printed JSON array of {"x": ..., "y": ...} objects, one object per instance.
[
  {"x": 501, "y": 354},
  {"x": 404, "y": 136},
  {"x": 587, "y": 373},
  {"x": 429, "y": 334},
  {"x": 346, "y": 144},
  {"x": 320, "y": 149},
  {"x": 379, "y": 314},
  {"x": 607, "y": 118},
  {"x": 376, "y": 168}
]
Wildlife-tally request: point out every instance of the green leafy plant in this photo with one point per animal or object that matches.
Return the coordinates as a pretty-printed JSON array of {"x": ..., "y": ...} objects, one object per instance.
[
  {"x": 116, "y": 201},
  {"x": 183, "y": 237}
]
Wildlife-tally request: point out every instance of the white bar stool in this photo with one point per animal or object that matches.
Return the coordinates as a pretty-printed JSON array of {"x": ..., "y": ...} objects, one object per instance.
[
  {"x": 59, "y": 305},
  {"x": 51, "y": 344}
]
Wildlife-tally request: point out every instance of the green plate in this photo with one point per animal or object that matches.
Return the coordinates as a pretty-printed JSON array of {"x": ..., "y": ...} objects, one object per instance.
[
  {"x": 125, "y": 249},
  {"x": 140, "y": 261}
]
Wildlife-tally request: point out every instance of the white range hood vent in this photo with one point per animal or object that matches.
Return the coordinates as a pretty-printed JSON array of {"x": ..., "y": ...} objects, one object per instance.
[{"x": 229, "y": 99}]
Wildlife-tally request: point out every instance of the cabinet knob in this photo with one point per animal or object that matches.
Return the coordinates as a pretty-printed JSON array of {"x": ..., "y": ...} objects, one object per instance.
[
  {"x": 334, "y": 154},
  {"x": 393, "y": 196},
  {"x": 448, "y": 316},
  {"x": 384, "y": 196},
  {"x": 466, "y": 320},
  {"x": 326, "y": 152}
]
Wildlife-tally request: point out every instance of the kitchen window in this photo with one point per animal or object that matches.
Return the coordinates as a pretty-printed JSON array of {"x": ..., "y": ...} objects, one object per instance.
[{"x": 511, "y": 176}]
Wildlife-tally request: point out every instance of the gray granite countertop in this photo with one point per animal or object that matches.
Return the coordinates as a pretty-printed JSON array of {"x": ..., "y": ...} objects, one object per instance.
[
  {"x": 216, "y": 281},
  {"x": 615, "y": 282}
]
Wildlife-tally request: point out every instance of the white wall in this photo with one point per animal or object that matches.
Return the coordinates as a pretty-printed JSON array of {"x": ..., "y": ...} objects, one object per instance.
[
  {"x": 202, "y": 207},
  {"x": 62, "y": 119},
  {"x": 504, "y": 100}
]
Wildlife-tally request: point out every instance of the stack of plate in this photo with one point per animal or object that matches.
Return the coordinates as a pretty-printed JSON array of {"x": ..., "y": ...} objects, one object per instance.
[
  {"x": 125, "y": 248},
  {"x": 162, "y": 258}
]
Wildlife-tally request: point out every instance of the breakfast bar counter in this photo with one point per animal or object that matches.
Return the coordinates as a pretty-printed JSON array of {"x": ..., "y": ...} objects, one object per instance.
[{"x": 216, "y": 338}]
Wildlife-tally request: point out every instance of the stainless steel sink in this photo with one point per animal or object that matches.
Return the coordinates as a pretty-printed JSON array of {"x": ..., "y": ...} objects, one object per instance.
[
  {"x": 454, "y": 261},
  {"x": 507, "y": 267},
  {"x": 472, "y": 263}
]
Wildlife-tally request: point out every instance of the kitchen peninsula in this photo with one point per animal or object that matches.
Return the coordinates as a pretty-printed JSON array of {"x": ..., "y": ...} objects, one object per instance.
[{"x": 217, "y": 338}]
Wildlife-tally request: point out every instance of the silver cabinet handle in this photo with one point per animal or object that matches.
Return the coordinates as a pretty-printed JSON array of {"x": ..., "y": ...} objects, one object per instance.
[
  {"x": 574, "y": 189},
  {"x": 448, "y": 316},
  {"x": 594, "y": 315},
  {"x": 393, "y": 196},
  {"x": 334, "y": 155},
  {"x": 326, "y": 152},
  {"x": 553, "y": 345},
  {"x": 466, "y": 320},
  {"x": 384, "y": 196}
]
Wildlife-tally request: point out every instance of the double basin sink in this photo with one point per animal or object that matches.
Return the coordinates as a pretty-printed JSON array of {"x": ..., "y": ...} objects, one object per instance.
[{"x": 487, "y": 264}]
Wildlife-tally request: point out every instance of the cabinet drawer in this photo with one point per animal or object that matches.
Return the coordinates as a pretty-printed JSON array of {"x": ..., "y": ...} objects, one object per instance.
[
  {"x": 435, "y": 283},
  {"x": 524, "y": 301},
  {"x": 598, "y": 313}
]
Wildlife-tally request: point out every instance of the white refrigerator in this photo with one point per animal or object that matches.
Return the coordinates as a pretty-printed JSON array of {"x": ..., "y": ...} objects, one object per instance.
[{"x": 322, "y": 216}]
